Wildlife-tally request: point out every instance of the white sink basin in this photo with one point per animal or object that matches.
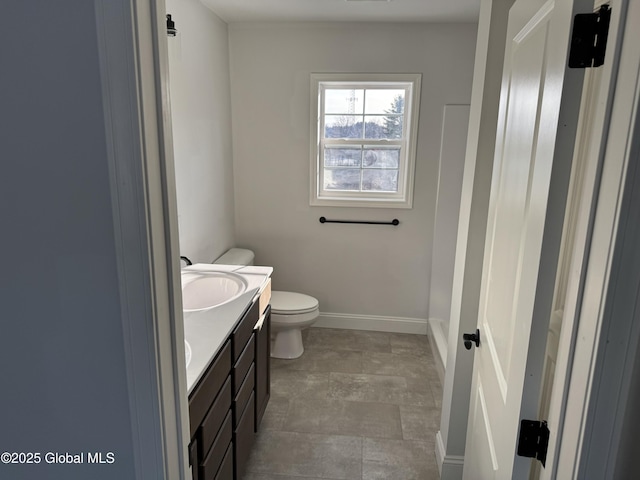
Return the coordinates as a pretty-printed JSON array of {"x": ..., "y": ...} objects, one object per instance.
[
  {"x": 202, "y": 291},
  {"x": 187, "y": 352}
]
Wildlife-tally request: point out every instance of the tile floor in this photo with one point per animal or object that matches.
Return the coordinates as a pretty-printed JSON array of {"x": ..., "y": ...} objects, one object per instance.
[{"x": 356, "y": 406}]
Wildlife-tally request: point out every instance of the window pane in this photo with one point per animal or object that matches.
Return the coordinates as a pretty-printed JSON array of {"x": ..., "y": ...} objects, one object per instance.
[
  {"x": 342, "y": 126},
  {"x": 342, "y": 179},
  {"x": 381, "y": 157},
  {"x": 379, "y": 126},
  {"x": 374, "y": 127},
  {"x": 346, "y": 102},
  {"x": 342, "y": 157},
  {"x": 380, "y": 180},
  {"x": 384, "y": 101}
]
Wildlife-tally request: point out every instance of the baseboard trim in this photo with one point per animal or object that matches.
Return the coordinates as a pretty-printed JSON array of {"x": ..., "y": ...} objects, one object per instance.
[
  {"x": 439, "y": 343},
  {"x": 440, "y": 452},
  {"x": 449, "y": 466},
  {"x": 375, "y": 323}
]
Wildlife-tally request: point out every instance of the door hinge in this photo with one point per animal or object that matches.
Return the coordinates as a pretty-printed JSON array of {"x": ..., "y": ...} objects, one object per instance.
[
  {"x": 589, "y": 38},
  {"x": 171, "y": 27},
  {"x": 533, "y": 440}
]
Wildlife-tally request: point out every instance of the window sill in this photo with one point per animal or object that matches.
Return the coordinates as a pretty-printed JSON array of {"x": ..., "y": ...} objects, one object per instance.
[{"x": 361, "y": 202}]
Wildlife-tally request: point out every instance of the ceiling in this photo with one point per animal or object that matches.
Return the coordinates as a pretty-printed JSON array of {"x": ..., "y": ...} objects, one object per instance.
[{"x": 234, "y": 11}]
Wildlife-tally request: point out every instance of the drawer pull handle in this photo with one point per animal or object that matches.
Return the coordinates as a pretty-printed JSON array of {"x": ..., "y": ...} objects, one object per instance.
[{"x": 259, "y": 323}]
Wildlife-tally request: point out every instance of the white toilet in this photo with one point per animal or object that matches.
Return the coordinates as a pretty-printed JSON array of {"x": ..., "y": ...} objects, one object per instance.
[{"x": 290, "y": 312}]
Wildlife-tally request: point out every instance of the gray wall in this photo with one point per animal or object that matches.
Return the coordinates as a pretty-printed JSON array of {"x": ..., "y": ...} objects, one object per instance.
[
  {"x": 64, "y": 384},
  {"x": 201, "y": 117},
  {"x": 629, "y": 452},
  {"x": 366, "y": 270}
]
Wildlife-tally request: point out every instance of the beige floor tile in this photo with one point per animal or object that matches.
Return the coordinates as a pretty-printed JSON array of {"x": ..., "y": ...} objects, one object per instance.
[
  {"x": 402, "y": 365},
  {"x": 338, "y": 417},
  {"x": 384, "y": 459},
  {"x": 407, "y": 344},
  {"x": 269, "y": 476},
  {"x": 273, "y": 420},
  {"x": 380, "y": 388},
  {"x": 293, "y": 383},
  {"x": 373, "y": 471},
  {"x": 323, "y": 360},
  {"x": 357, "y": 405},
  {"x": 419, "y": 423},
  {"x": 308, "y": 455},
  {"x": 349, "y": 340}
]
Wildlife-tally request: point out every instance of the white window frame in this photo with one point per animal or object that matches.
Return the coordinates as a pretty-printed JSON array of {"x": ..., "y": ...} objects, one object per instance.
[{"x": 403, "y": 198}]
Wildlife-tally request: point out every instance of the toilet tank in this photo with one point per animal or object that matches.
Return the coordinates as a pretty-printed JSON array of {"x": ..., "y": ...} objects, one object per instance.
[{"x": 236, "y": 256}]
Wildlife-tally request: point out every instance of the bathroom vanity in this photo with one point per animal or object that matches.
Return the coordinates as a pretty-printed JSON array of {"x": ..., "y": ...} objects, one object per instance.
[{"x": 229, "y": 386}]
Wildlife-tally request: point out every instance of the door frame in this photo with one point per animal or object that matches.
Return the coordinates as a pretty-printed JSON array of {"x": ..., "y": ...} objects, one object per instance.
[
  {"x": 596, "y": 368},
  {"x": 605, "y": 340},
  {"x": 132, "y": 50}
]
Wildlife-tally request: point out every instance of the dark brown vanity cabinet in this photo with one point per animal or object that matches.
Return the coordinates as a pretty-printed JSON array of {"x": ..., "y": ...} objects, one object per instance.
[
  {"x": 226, "y": 406},
  {"x": 263, "y": 365},
  {"x": 210, "y": 417},
  {"x": 243, "y": 379}
]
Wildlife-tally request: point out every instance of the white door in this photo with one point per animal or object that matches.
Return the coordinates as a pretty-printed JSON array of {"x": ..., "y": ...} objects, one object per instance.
[{"x": 539, "y": 105}]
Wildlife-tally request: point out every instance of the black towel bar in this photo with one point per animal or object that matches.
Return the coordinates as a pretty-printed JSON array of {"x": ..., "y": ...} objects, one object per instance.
[{"x": 393, "y": 222}]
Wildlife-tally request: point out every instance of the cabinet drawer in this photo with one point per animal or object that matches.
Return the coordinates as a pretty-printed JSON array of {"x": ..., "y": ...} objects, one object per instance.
[
  {"x": 202, "y": 396},
  {"x": 243, "y": 364},
  {"x": 214, "y": 418},
  {"x": 246, "y": 389},
  {"x": 226, "y": 469},
  {"x": 193, "y": 459},
  {"x": 211, "y": 464},
  {"x": 243, "y": 438},
  {"x": 243, "y": 330}
]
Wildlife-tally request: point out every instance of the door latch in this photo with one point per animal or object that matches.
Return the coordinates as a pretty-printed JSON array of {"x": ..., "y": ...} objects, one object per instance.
[{"x": 471, "y": 337}]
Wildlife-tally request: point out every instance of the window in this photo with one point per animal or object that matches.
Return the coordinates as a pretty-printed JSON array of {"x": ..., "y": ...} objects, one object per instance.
[{"x": 363, "y": 130}]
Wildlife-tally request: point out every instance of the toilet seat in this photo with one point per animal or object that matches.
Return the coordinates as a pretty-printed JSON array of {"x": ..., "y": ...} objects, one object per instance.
[{"x": 290, "y": 303}]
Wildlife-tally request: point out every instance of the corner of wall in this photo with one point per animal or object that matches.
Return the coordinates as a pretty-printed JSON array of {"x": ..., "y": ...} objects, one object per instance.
[
  {"x": 449, "y": 466},
  {"x": 439, "y": 345}
]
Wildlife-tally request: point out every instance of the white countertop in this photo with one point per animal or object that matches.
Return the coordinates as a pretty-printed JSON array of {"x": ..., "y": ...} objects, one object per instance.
[{"x": 207, "y": 330}]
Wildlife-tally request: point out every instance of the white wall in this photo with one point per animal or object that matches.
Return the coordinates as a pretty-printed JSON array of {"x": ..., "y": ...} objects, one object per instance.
[
  {"x": 455, "y": 121},
  {"x": 201, "y": 117},
  {"x": 62, "y": 361},
  {"x": 351, "y": 269}
]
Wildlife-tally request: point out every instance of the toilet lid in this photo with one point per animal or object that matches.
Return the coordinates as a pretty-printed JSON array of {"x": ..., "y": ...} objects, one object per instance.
[{"x": 290, "y": 303}]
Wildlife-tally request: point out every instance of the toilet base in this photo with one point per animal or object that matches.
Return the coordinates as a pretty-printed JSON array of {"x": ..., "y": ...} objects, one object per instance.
[{"x": 287, "y": 344}]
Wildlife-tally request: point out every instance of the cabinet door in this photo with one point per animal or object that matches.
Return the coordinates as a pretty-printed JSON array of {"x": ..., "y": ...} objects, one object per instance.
[
  {"x": 263, "y": 366},
  {"x": 243, "y": 439}
]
